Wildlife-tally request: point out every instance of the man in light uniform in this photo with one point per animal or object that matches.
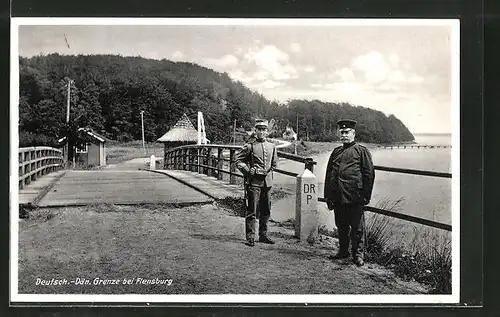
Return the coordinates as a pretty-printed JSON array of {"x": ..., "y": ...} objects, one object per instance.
[{"x": 256, "y": 161}]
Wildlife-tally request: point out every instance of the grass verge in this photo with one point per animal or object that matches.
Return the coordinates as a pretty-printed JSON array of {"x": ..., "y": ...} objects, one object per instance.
[
  {"x": 426, "y": 258},
  {"x": 237, "y": 206},
  {"x": 120, "y": 152}
]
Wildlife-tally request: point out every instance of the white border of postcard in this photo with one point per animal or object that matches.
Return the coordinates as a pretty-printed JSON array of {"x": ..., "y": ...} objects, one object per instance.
[{"x": 15, "y": 297}]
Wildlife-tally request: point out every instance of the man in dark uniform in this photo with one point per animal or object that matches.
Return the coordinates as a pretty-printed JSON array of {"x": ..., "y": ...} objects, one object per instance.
[
  {"x": 256, "y": 160},
  {"x": 348, "y": 188}
]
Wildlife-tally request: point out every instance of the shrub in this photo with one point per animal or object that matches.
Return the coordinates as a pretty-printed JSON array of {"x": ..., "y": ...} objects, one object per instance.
[
  {"x": 426, "y": 258},
  {"x": 28, "y": 139}
]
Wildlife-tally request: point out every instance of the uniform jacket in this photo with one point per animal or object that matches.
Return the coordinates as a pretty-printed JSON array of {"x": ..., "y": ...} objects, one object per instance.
[
  {"x": 349, "y": 175},
  {"x": 258, "y": 154}
]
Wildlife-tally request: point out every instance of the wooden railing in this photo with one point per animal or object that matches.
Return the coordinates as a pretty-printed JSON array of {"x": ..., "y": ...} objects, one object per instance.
[
  {"x": 37, "y": 161},
  {"x": 209, "y": 160}
]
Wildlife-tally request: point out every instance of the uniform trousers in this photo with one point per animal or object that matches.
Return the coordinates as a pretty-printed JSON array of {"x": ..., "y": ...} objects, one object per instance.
[
  {"x": 350, "y": 217},
  {"x": 259, "y": 206}
]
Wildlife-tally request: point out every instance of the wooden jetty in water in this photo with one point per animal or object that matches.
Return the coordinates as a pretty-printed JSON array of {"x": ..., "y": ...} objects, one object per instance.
[{"x": 413, "y": 146}]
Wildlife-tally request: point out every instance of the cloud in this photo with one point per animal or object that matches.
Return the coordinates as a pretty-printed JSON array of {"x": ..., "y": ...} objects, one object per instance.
[
  {"x": 386, "y": 75},
  {"x": 236, "y": 74},
  {"x": 239, "y": 75},
  {"x": 415, "y": 79},
  {"x": 225, "y": 62},
  {"x": 238, "y": 50},
  {"x": 387, "y": 88},
  {"x": 285, "y": 72},
  {"x": 228, "y": 60},
  {"x": 309, "y": 69},
  {"x": 271, "y": 60},
  {"x": 345, "y": 89},
  {"x": 177, "y": 55},
  {"x": 261, "y": 75},
  {"x": 394, "y": 60},
  {"x": 295, "y": 47},
  {"x": 270, "y": 84},
  {"x": 346, "y": 74},
  {"x": 268, "y": 57},
  {"x": 373, "y": 66},
  {"x": 396, "y": 76}
]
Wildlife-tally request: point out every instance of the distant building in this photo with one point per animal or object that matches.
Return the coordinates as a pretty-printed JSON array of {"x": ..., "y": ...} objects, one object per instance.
[
  {"x": 182, "y": 133},
  {"x": 94, "y": 152},
  {"x": 289, "y": 134}
]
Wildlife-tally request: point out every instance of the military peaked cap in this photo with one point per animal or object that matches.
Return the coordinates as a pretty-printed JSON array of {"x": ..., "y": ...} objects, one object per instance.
[
  {"x": 346, "y": 124},
  {"x": 261, "y": 123}
]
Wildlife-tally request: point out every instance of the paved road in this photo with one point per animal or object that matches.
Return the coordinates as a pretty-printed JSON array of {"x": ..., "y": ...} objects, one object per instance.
[{"x": 119, "y": 187}]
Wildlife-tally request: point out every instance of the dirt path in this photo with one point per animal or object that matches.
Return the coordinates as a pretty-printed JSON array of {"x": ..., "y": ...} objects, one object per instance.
[
  {"x": 200, "y": 249},
  {"x": 133, "y": 164}
]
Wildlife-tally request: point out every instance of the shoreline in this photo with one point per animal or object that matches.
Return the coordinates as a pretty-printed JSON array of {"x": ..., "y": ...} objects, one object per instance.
[{"x": 319, "y": 148}]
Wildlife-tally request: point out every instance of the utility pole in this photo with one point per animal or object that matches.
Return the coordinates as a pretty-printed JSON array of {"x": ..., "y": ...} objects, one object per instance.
[
  {"x": 297, "y": 124},
  {"x": 67, "y": 106},
  {"x": 234, "y": 132},
  {"x": 142, "y": 124},
  {"x": 69, "y": 147}
]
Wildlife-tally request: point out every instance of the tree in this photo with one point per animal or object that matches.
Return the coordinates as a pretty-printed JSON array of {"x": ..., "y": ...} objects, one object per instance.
[{"x": 109, "y": 91}]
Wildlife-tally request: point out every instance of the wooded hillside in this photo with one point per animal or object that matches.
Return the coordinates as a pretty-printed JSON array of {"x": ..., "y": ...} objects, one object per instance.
[{"x": 108, "y": 93}]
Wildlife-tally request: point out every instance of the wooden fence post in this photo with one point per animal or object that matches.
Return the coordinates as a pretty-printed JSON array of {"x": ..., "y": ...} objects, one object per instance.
[
  {"x": 189, "y": 158},
  {"x": 198, "y": 160},
  {"x": 206, "y": 155},
  {"x": 232, "y": 166},
  {"x": 179, "y": 159},
  {"x": 309, "y": 164},
  {"x": 220, "y": 163},
  {"x": 182, "y": 160},
  {"x": 21, "y": 168},
  {"x": 33, "y": 164},
  {"x": 176, "y": 159},
  {"x": 192, "y": 154},
  {"x": 210, "y": 163}
]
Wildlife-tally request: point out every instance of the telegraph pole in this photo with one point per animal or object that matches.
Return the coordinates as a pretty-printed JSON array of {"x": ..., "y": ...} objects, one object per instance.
[
  {"x": 142, "y": 124},
  {"x": 67, "y": 106},
  {"x": 234, "y": 132},
  {"x": 69, "y": 147},
  {"x": 297, "y": 124}
]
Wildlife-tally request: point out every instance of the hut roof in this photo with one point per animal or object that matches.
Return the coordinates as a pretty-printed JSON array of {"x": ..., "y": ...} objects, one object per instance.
[
  {"x": 90, "y": 132},
  {"x": 183, "y": 131}
]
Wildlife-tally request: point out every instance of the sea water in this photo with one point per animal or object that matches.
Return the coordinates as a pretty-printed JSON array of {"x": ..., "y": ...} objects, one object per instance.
[{"x": 420, "y": 196}]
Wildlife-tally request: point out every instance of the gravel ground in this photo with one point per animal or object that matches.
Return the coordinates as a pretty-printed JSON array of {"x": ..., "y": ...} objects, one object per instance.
[{"x": 192, "y": 250}]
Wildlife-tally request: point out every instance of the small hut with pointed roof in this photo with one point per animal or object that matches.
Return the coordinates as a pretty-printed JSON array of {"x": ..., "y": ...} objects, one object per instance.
[{"x": 182, "y": 133}]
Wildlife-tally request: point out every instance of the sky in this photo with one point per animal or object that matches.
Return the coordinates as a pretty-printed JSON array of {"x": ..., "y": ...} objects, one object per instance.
[{"x": 404, "y": 70}]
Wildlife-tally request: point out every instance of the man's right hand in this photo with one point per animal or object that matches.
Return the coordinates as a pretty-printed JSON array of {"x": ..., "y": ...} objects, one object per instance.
[
  {"x": 330, "y": 204},
  {"x": 252, "y": 171}
]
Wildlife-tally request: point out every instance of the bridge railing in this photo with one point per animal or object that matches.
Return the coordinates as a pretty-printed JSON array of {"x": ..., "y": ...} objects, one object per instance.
[
  {"x": 209, "y": 159},
  {"x": 37, "y": 161}
]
